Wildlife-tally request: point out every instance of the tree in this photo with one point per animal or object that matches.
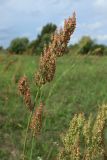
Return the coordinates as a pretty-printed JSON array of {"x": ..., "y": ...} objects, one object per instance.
[
  {"x": 1, "y": 48},
  {"x": 43, "y": 38},
  {"x": 85, "y": 45},
  {"x": 18, "y": 45},
  {"x": 48, "y": 28}
]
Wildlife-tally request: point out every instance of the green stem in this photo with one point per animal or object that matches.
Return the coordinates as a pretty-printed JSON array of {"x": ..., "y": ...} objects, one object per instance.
[
  {"x": 29, "y": 120},
  {"x": 32, "y": 140},
  {"x": 49, "y": 154},
  {"x": 32, "y": 144},
  {"x": 25, "y": 141}
]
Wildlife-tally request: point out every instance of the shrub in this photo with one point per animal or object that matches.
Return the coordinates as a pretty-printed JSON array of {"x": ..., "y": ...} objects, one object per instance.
[
  {"x": 48, "y": 28},
  {"x": 1, "y": 48},
  {"x": 18, "y": 45},
  {"x": 105, "y": 50},
  {"x": 98, "y": 51},
  {"x": 43, "y": 38},
  {"x": 85, "y": 45}
]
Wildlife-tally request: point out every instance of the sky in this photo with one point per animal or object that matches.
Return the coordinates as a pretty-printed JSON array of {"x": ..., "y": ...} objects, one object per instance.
[{"x": 25, "y": 18}]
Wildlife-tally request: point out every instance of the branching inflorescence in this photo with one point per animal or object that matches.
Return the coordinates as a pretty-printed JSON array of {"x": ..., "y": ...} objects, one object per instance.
[
  {"x": 84, "y": 140},
  {"x": 36, "y": 122},
  {"x": 55, "y": 49},
  {"x": 45, "y": 73},
  {"x": 47, "y": 64},
  {"x": 24, "y": 90}
]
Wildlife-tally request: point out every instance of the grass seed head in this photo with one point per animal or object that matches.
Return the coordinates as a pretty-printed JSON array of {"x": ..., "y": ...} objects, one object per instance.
[
  {"x": 24, "y": 90},
  {"x": 56, "y": 48},
  {"x": 36, "y": 122}
]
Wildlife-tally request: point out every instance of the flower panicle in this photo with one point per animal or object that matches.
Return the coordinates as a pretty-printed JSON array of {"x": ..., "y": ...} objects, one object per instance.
[
  {"x": 61, "y": 38},
  {"x": 24, "y": 90},
  {"x": 56, "y": 48},
  {"x": 47, "y": 67},
  {"x": 36, "y": 121}
]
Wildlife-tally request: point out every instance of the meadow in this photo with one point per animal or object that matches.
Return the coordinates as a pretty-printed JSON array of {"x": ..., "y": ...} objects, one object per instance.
[{"x": 79, "y": 85}]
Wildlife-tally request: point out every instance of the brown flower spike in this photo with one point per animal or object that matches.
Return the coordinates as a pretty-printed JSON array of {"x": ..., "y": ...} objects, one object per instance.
[
  {"x": 36, "y": 122},
  {"x": 56, "y": 48},
  {"x": 25, "y": 92},
  {"x": 60, "y": 39},
  {"x": 47, "y": 67}
]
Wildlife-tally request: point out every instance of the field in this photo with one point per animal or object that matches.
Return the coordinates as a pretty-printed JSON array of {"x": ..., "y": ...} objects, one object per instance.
[{"x": 80, "y": 85}]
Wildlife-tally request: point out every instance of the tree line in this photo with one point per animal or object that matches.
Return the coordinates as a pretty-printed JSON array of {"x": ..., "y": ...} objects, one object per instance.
[
  {"x": 85, "y": 45},
  {"x": 23, "y": 45}
]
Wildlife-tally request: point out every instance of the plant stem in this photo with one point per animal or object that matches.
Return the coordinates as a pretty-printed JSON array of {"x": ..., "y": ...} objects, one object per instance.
[
  {"x": 32, "y": 144},
  {"x": 25, "y": 141},
  {"x": 32, "y": 140},
  {"x": 29, "y": 120}
]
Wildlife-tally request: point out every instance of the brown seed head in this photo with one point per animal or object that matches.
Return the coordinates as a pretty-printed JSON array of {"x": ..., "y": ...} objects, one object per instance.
[
  {"x": 56, "y": 48},
  {"x": 36, "y": 122},
  {"x": 61, "y": 38},
  {"x": 25, "y": 92},
  {"x": 47, "y": 67}
]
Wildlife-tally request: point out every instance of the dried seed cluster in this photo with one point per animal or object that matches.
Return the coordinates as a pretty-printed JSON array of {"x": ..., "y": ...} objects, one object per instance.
[
  {"x": 36, "y": 122},
  {"x": 55, "y": 49},
  {"x": 24, "y": 90},
  {"x": 60, "y": 39},
  {"x": 47, "y": 67},
  {"x": 85, "y": 138}
]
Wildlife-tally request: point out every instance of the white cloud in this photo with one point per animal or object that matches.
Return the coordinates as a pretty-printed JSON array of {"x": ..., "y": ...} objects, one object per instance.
[
  {"x": 91, "y": 26},
  {"x": 102, "y": 37},
  {"x": 100, "y": 2},
  {"x": 27, "y": 17},
  {"x": 101, "y": 5}
]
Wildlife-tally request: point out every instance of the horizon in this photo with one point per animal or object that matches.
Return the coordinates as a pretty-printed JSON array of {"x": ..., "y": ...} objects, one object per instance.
[{"x": 26, "y": 18}]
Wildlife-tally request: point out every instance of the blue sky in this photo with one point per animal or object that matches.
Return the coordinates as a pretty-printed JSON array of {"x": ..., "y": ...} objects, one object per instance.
[{"x": 25, "y": 18}]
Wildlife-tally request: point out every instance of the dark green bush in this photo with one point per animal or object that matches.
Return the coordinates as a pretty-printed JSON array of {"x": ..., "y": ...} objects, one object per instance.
[
  {"x": 98, "y": 51},
  {"x": 36, "y": 46},
  {"x": 85, "y": 45},
  {"x": 18, "y": 45},
  {"x": 1, "y": 48}
]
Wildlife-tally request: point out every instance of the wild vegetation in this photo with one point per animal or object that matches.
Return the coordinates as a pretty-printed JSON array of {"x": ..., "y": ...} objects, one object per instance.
[
  {"x": 86, "y": 45},
  {"x": 75, "y": 93}
]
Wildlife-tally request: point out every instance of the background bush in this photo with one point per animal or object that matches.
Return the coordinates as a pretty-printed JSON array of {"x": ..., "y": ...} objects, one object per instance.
[
  {"x": 36, "y": 46},
  {"x": 85, "y": 45},
  {"x": 18, "y": 45}
]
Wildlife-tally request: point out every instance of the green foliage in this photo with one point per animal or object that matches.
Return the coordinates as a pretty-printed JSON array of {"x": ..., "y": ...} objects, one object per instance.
[
  {"x": 1, "y": 48},
  {"x": 105, "y": 50},
  {"x": 73, "y": 49},
  {"x": 48, "y": 29},
  {"x": 88, "y": 46},
  {"x": 85, "y": 45},
  {"x": 98, "y": 49},
  {"x": 43, "y": 38},
  {"x": 18, "y": 45},
  {"x": 80, "y": 85}
]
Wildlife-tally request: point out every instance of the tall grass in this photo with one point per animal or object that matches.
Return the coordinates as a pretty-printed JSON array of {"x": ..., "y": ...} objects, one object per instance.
[
  {"x": 82, "y": 90},
  {"x": 44, "y": 75}
]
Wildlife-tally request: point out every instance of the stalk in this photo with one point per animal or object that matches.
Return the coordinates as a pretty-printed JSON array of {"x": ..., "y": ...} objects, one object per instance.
[
  {"x": 28, "y": 124},
  {"x": 32, "y": 140},
  {"x": 32, "y": 145},
  {"x": 25, "y": 141}
]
